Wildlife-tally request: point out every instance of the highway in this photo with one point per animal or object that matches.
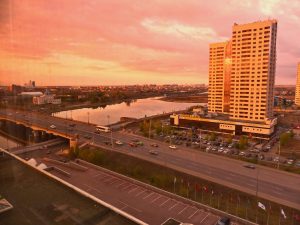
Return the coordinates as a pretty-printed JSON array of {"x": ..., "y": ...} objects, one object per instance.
[{"x": 274, "y": 185}]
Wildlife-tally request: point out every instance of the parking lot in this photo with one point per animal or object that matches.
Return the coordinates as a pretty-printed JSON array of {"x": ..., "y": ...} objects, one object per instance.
[
  {"x": 144, "y": 203},
  {"x": 255, "y": 149}
]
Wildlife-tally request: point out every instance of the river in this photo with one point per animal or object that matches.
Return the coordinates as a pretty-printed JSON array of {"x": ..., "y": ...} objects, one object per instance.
[{"x": 112, "y": 113}]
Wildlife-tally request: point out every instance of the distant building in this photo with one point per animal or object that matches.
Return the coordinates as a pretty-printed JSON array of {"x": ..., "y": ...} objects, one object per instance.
[
  {"x": 31, "y": 93},
  {"x": 16, "y": 89},
  {"x": 46, "y": 99},
  {"x": 297, "y": 93},
  {"x": 31, "y": 84}
]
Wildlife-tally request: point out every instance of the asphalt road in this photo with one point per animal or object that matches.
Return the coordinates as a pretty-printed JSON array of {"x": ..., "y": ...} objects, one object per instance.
[
  {"x": 274, "y": 185},
  {"x": 139, "y": 201}
]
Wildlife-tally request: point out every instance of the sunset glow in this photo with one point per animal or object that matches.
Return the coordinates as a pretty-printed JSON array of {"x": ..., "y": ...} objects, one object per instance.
[{"x": 96, "y": 42}]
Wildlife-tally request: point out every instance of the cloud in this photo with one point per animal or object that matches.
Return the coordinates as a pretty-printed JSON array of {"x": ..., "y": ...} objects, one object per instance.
[
  {"x": 173, "y": 28},
  {"x": 136, "y": 40}
]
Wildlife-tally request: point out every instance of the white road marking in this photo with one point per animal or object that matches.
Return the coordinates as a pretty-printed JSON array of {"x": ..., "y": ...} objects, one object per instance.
[
  {"x": 114, "y": 182},
  {"x": 121, "y": 184},
  {"x": 204, "y": 218},
  {"x": 148, "y": 195},
  {"x": 140, "y": 193},
  {"x": 93, "y": 189},
  {"x": 156, "y": 198},
  {"x": 126, "y": 205},
  {"x": 164, "y": 202},
  {"x": 183, "y": 209},
  {"x": 132, "y": 190},
  {"x": 173, "y": 206},
  {"x": 193, "y": 214},
  {"x": 127, "y": 187}
]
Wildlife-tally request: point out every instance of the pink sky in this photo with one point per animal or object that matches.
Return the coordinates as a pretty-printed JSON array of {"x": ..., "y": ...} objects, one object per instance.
[{"x": 95, "y": 42}]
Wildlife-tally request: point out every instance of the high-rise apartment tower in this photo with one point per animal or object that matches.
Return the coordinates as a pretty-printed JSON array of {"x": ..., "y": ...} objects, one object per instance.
[
  {"x": 253, "y": 71},
  {"x": 219, "y": 77}
]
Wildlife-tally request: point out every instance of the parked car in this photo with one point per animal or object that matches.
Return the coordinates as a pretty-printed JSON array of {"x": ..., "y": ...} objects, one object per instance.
[
  {"x": 290, "y": 161},
  {"x": 242, "y": 153},
  {"x": 132, "y": 144},
  {"x": 223, "y": 221},
  {"x": 172, "y": 147},
  {"x": 154, "y": 145},
  {"x": 52, "y": 126},
  {"x": 118, "y": 142}
]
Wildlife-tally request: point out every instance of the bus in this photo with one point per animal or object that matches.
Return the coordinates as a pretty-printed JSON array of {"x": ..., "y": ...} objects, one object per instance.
[{"x": 102, "y": 129}]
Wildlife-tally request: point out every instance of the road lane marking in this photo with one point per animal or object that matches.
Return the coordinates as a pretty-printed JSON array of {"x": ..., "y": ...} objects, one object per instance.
[
  {"x": 164, "y": 202},
  {"x": 193, "y": 214},
  {"x": 115, "y": 181},
  {"x": 127, "y": 187},
  {"x": 121, "y": 184},
  {"x": 173, "y": 206},
  {"x": 93, "y": 189},
  {"x": 186, "y": 206},
  {"x": 204, "y": 218},
  {"x": 139, "y": 193},
  {"x": 156, "y": 199},
  {"x": 148, "y": 195},
  {"x": 132, "y": 190},
  {"x": 105, "y": 179},
  {"x": 109, "y": 180},
  {"x": 126, "y": 205}
]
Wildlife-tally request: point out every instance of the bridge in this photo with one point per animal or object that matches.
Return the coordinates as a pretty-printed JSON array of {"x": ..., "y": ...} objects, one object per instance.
[{"x": 274, "y": 185}]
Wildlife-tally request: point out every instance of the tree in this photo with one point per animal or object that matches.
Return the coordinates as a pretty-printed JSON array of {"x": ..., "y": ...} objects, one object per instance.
[
  {"x": 243, "y": 142},
  {"x": 212, "y": 137},
  {"x": 285, "y": 138}
]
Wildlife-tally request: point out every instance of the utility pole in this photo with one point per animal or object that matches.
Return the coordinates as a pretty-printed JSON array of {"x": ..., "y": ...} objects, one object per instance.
[
  {"x": 256, "y": 194},
  {"x": 88, "y": 113},
  {"x": 200, "y": 139},
  {"x": 279, "y": 155}
]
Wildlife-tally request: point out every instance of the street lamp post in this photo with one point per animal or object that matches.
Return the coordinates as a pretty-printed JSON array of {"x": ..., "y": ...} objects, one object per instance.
[
  {"x": 256, "y": 194},
  {"x": 279, "y": 155}
]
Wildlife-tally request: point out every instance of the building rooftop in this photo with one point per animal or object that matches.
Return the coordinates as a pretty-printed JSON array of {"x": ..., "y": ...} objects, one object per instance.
[{"x": 38, "y": 199}]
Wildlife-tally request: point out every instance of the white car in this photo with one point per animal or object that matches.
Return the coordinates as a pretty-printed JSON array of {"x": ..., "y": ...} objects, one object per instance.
[
  {"x": 172, "y": 147},
  {"x": 52, "y": 126},
  {"x": 119, "y": 142}
]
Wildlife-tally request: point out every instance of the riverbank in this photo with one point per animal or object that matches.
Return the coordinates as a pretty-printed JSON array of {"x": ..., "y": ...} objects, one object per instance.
[{"x": 186, "y": 99}]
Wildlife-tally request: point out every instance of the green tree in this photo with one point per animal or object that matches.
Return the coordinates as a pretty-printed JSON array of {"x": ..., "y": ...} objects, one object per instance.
[
  {"x": 243, "y": 142},
  {"x": 285, "y": 138}
]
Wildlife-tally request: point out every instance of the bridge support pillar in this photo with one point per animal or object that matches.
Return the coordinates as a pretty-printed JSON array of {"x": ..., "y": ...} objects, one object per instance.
[{"x": 73, "y": 143}]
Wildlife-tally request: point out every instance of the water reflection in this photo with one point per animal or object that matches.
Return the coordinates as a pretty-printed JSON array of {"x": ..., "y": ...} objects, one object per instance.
[{"x": 135, "y": 109}]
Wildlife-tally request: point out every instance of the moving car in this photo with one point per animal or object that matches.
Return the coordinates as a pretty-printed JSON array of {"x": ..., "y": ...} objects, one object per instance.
[
  {"x": 172, "y": 147},
  {"x": 249, "y": 166},
  {"x": 152, "y": 152}
]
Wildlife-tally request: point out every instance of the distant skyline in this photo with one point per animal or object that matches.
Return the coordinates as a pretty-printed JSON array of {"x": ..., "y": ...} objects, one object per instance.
[{"x": 112, "y": 42}]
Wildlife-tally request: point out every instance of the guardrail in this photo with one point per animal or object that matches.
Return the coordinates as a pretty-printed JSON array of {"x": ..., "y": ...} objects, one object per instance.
[{"x": 169, "y": 194}]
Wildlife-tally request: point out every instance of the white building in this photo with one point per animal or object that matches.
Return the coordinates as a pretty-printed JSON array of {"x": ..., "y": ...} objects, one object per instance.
[{"x": 45, "y": 99}]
